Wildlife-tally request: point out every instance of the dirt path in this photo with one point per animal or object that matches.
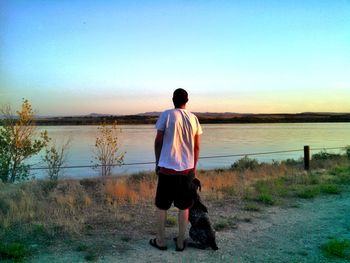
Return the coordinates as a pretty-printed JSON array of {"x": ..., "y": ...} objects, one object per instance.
[{"x": 274, "y": 235}]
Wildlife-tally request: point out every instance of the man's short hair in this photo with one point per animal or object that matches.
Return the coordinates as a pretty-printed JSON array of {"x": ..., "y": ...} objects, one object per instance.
[{"x": 180, "y": 97}]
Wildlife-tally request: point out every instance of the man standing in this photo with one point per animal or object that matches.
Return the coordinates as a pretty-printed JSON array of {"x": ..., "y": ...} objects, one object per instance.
[{"x": 176, "y": 150}]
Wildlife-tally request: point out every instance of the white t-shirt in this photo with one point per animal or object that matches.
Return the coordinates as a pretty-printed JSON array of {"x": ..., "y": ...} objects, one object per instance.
[{"x": 179, "y": 127}]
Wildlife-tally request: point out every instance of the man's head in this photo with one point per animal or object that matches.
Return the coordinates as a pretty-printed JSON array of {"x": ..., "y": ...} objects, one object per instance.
[{"x": 180, "y": 98}]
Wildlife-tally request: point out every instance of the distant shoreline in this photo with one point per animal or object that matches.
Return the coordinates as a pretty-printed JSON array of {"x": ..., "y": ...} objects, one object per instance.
[{"x": 204, "y": 118}]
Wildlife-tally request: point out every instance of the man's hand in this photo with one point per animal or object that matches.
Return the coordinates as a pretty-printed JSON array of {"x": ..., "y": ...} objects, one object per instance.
[
  {"x": 157, "y": 169},
  {"x": 158, "y": 143}
]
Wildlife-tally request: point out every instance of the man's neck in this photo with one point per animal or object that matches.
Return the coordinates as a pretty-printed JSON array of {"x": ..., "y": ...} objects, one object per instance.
[{"x": 183, "y": 107}]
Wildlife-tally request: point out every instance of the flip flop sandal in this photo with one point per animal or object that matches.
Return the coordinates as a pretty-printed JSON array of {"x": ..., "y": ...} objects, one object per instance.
[
  {"x": 153, "y": 243},
  {"x": 177, "y": 248}
]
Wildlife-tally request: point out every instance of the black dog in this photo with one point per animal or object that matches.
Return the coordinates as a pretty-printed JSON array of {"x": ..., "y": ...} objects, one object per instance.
[{"x": 201, "y": 230}]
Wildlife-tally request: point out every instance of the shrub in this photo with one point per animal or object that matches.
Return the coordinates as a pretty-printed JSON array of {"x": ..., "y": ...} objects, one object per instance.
[
  {"x": 228, "y": 190},
  {"x": 18, "y": 143},
  {"x": 292, "y": 162},
  {"x": 330, "y": 189},
  {"x": 308, "y": 192},
  {"x": 225, "y": 223},
  {"x": 347, "y": 151},
  {"x": 266, "y": 198},
  {"x": 252, "y": 207},
  {"x": 337, "y": 248},
  {"x": 106, "y": 150},
  {"x": 323, "y": 155},
  {"x": 15, "y": 251},
  {"x": 54, "y": 159},
  {"x": 171, "y": 220},
  {"x": 245, "y": 163}
]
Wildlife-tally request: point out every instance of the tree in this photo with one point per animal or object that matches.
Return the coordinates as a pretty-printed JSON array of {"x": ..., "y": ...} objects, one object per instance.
[
  {"x": 106, "y": 150},
  {"x": 18, "y": 142}
]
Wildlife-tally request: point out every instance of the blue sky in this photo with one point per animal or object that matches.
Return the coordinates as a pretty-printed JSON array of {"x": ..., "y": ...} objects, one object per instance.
[{"x": 123, "y": 57}]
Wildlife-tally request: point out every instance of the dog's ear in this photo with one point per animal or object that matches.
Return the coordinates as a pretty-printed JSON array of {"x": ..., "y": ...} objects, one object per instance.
[{"x": 197, "y": 183}]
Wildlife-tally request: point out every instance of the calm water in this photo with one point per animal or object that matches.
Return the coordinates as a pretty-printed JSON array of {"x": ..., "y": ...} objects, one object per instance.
[{"x": 217, "y": 139}]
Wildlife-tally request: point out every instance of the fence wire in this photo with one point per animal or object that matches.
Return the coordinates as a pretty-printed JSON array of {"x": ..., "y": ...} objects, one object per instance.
[{"x": 201, "y": 157}]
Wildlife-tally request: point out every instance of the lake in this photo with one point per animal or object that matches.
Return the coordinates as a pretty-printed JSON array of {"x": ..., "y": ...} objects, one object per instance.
[{"x": 218, "y": 139}]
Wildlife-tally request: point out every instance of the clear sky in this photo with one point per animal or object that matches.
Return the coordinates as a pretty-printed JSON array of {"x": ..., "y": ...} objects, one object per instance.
[{"x": 123, "y": 57}]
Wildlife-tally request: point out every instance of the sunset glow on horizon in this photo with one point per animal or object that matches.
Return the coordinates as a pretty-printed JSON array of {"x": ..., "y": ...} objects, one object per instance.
[{"x": 127, "y": 57}]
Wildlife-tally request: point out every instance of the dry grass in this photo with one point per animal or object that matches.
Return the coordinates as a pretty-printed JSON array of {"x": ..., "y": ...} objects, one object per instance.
[
  {"x": 217, "y": 185},
  {"x": 124, "y": 202}
]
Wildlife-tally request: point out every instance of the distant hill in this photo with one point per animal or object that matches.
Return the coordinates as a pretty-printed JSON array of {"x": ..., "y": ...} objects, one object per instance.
[{"x": 204, "y": 117}]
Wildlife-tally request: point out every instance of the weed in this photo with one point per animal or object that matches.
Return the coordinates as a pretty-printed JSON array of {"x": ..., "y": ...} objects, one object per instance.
[
  {"x": 245, "y": 163},
  {"x": 323, "y": 155},
  {"x": 292, "y": 162},
  {"x": 252, "y": 207},
  {"x": 171, "y": 220},
  {"x": 82, "y": 247},
  {"x": 225, "y": 223},
  {"x": 266, "y": 199},
  {"x": 228, "y": 191},
  {"x": 330, "y": 189},
  {"x": 141, "y": 176},
  {"x": 341, "y": 175},
  {"x": 126, "y": 238},
  {"x": 91, "y": 255},
  {"x": 337, "y": 248},
  {"x": 247, "y": 219},
  {"x": 15, "y": 251},
  {"x": 308, "y": 192},
  {"x": 347, "y": 151},
  {"x": 265, "y": 191}
]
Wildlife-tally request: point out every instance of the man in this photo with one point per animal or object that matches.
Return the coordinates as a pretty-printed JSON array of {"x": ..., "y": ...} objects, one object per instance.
[{"x": 176, "y": 150}]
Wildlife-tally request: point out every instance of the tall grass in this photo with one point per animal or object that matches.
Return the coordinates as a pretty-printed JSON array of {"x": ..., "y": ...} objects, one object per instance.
[{"x": 71, "y": 205}]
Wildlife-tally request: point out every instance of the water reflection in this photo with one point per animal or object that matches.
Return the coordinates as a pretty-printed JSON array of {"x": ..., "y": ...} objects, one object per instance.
[{"x": 217, "y": 139}]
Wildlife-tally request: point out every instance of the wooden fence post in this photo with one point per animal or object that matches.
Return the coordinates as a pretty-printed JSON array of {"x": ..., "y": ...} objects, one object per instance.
[{"x": 307, "y": 157}]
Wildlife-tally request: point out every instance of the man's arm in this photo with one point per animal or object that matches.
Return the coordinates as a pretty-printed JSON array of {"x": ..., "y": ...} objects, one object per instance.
[
  {"x": 197, "y": 139},
  {"x": 158, "y": 143}
]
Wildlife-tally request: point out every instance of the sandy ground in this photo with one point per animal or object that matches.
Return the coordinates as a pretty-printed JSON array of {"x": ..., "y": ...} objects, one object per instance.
[{"x": 276, "y": 234}]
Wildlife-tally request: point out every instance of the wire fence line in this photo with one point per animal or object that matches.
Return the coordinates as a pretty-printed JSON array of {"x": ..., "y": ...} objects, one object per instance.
[{"x": 201, "y": 157}]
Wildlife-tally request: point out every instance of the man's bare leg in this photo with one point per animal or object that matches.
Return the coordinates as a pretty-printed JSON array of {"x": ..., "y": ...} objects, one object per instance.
[
  {"x": 183, "y": 220},
  {"x": 161, "y": 217}
]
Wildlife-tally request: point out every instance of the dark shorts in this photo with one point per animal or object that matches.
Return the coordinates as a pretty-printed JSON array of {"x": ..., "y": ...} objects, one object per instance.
[{"x": 174, "y": 188}]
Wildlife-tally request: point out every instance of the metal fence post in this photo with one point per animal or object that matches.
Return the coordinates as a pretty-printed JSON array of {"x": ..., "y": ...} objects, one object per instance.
[{"x": 307, "y": 157}]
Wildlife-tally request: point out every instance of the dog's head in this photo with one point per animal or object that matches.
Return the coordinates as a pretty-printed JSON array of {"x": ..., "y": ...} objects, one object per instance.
[{"x": 196, "y": 184}]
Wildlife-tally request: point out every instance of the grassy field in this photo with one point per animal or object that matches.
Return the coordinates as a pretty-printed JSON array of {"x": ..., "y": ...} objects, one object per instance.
[{"x": 85, "y": 215}]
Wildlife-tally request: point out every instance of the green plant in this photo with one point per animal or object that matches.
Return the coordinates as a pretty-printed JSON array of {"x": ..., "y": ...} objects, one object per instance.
[
  {"x": 308, "y": 192},
  {"x": 18, "y": 142},
  {"x": 323, "y": 155},
  {"x": 337, "y": 248},
  {"x": 106, "y": 150},
  {"x": 126, "y": 238},
  {"x": 171, "y": 221},
  {"x": 245, "y": 163},
  {"x": 225, "y": 223},
  {"x": 292, "y": 162},
  {"x": 341, "y": 175},
  {"x": 266, "y": 191},
  {"x": 266, "y": 198},
  {"x": 228, "y": 190},
  {"x": 347, "y": 151},
  {"x": 54, "y": 159},
  {"x": 330, "y": 188},
  {"x": 252, "y": 207},
  {"x": 15, "y": 251},
  {"x": 91, "y": 255},
  {"x": 82, "y": 247}
]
